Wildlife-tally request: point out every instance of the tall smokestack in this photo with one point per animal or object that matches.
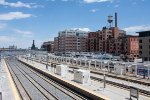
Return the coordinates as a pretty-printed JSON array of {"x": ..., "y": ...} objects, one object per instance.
[{"x": 116, "y": 20}]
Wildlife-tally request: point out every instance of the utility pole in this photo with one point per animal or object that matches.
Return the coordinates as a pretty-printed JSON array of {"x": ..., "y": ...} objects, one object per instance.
[{"x": 104, "y": 76}]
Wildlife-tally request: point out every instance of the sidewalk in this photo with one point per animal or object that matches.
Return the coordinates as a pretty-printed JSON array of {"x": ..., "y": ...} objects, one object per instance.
[{"x": 6, "y": 84}]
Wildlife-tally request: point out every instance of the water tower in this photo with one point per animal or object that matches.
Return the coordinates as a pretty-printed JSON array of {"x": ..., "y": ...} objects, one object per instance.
[{"x": 110, "y": 20}]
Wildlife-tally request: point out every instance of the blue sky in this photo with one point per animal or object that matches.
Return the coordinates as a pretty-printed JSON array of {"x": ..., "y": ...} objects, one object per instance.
[{"x": 24, "y": 20}]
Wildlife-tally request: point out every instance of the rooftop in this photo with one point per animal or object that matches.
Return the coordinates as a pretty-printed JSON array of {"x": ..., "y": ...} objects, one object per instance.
[{"x": 143, "y": 31}]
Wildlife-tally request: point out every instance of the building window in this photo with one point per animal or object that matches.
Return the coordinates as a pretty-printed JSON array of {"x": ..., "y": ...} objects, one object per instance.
[
  {"x": 145, "y": 59},
  {"x": 140, "y": 52},
  {"x": 134, "y": 55},
  {"x": 140, "y": 46},
  {"x": 140, "y": 41}
]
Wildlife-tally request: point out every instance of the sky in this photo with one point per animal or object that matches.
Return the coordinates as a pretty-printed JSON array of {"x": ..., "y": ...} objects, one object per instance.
[{"x": 40, "y": 20}]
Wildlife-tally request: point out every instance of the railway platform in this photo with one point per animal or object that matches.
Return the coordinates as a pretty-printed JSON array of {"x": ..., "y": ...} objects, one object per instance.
[
  {"x": 110, "y": 91},
  {"x": 7, "y": 87}
]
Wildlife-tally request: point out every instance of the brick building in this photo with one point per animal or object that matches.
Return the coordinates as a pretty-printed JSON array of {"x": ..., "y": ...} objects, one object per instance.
[
  {"x": 56, "y": 44},
  {"x": 115, "y": 41},
  {"x": 83, "y": 44},
  {"x": 71, "y": 41},
  {"x": 93, "y": 42},
  {"x": 132, "y": 47},
  {"x": 48, "y": 46},
  {"x": 107, "y": 41}
]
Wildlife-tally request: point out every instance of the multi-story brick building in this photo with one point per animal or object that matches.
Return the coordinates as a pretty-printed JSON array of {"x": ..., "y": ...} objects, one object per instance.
[
  {"x": 132, "y": 47},
  {"x": 48, "y": 46},
  {"x": 112, "y": 40},
  {"x": 93, "y": 42},
  {"x": 107, "y": 41},
  {"x": 116, "y": 46},
  {"x": 83, "y": 44},
  {"x": 56, "y": 44},
  {"x": 71, "y": 41}
]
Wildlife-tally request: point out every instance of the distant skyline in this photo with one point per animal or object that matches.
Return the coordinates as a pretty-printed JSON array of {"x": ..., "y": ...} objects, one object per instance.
[{"x": 40, "y": 20}]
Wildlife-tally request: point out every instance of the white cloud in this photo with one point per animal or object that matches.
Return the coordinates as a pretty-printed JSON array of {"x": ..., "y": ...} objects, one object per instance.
[
  {"x": 82, "y": 29},
  {"x": 18, "y": 4},
  {"x": 93, "y": 10},
  {"x": 14, "y": 15},
  {"x": 24, "y": 33},
  {"x": 134, "y": 29},
  {"x": 93, "y": 1},
  {"x": 37, "y": 6},
  {"x": 86, "y": 1}
]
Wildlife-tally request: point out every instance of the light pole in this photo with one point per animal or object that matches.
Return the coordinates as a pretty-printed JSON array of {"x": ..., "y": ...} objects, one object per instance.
[
  {"x": 46, "y": 59},
  {"x": 104, "y": 79},
  {"x": 104, "y": 76},
  {"x": 30, "y": 55}
]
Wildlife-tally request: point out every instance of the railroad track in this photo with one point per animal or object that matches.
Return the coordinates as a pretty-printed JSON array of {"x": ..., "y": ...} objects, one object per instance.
[
  {"x": 99, "y": 73},
  {"x": 141, "y": 91},
  {"x": 123, "y": 86},
  {"x": 35, "y": 86}
]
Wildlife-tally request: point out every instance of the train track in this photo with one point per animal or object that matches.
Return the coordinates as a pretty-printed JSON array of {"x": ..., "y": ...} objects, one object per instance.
[
  {"x": 141, "y": 91},
  {"x": 32, "y": 85},
  {"x": 119, "y": 85},
  {"x": 123, "y": 86}
]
